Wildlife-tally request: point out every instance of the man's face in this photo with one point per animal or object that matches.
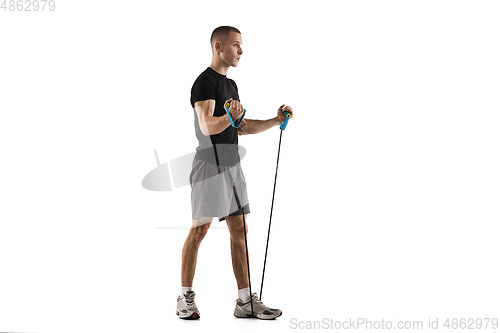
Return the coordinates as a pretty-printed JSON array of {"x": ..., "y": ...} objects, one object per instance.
[{"x": 231, "y": 49}]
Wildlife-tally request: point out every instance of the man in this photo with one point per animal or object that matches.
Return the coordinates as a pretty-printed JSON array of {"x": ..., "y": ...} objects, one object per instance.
[{"x": 216, "y": 170}]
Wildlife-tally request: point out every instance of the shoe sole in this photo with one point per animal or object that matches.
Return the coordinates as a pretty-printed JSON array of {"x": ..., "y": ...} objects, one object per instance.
[
  {"x": 248, "y": 316},
  {"x": 192, "y": 317}
]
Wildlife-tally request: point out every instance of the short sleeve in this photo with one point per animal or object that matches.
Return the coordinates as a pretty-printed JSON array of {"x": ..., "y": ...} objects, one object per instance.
[
  {"x": 235, "y": 87},
  {"x": 205, "y": 87}
]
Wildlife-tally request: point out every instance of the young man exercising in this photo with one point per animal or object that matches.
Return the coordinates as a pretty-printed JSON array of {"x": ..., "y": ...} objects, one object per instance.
[{"x": 216, "y": 170}]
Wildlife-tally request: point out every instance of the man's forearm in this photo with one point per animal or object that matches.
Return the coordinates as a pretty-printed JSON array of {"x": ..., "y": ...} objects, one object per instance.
[{"x": 254, "y": 126}]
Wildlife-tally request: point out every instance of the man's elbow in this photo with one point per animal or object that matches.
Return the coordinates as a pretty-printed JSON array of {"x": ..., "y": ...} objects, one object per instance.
[
  {"x": 204, "y": 129},
  {"x": 242, "y": 131}
]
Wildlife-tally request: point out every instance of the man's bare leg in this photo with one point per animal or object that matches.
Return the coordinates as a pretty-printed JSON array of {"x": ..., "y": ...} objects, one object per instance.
[
  {"x": 238, "y": 250},
  {"x": 245, "y": 308},
  {"x": 190, "y": 249}
]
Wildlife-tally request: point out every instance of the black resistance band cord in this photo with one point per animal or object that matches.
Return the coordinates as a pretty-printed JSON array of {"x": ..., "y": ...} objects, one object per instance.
[{"x": 244, "y": 225}]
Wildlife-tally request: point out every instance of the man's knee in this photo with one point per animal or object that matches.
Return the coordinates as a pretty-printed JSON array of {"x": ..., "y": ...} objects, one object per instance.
[
  {"x": 235, "y": 224},
  {"x": 200, "y": 228}
]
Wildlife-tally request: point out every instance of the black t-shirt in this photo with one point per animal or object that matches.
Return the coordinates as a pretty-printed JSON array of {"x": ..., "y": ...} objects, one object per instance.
[{"x": 212, "y": 85}]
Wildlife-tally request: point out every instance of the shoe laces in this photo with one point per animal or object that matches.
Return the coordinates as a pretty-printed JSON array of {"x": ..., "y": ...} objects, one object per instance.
[
  {"x": 190, "y": 300},
  {"x": 256, "y": 299}
]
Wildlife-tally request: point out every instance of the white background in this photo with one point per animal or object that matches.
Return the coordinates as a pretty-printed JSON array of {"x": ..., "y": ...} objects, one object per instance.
[{"x": 388, "y": 188}]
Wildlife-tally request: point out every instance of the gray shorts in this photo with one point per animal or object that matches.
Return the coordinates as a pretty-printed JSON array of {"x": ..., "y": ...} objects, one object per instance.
[{"x": 212, "y": 192}]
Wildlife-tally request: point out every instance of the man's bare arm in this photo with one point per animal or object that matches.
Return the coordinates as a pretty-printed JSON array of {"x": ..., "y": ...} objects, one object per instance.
[
  {"x": 253, "y": 126},
  {"x": 210, "y": 125}
]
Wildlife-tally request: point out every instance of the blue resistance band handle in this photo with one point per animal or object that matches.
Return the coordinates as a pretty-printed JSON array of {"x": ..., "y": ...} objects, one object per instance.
[
  {"x": 288, "y": 115},
  {"x": 231, "y": 119}
]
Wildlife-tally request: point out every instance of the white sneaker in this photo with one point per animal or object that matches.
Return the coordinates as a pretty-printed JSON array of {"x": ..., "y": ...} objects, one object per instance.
[
  {"x": 186, "y": 307},
  {"x": 260, "y": 311}
]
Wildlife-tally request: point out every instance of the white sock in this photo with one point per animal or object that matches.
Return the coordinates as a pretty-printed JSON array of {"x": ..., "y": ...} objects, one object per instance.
[
  {"x": 244, "y": 294},
  {"x": 185, "y": 289}
]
